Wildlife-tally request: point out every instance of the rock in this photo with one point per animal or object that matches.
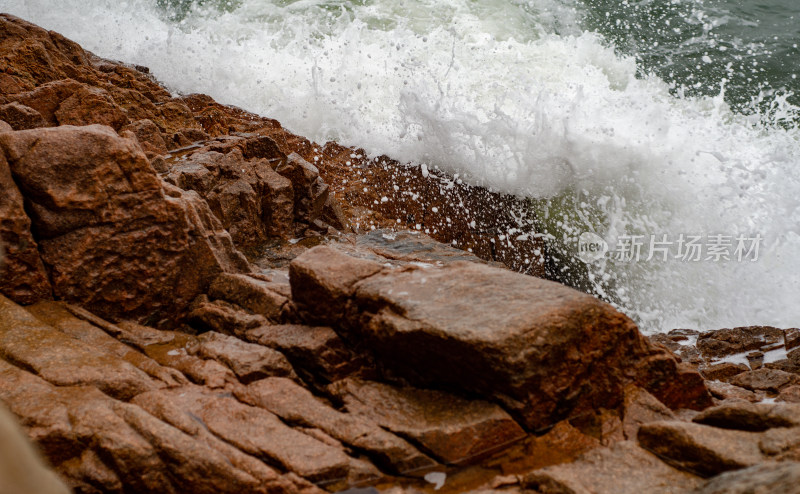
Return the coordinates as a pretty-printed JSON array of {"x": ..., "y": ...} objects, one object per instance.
[
  {"x": 765, "y": 379},
  {"x": 723, "y": 371},
  {"x": 223, "y": 317},
  {"x": 89, "y": 105},
  {"x": 22, "y": 275},
  {"x": 790, "y": 364},
  {"x": 791, "y": 338},
  {"x": 701, "y": 449},
  {"x": 524, "y": 342},
  {"x": 100, "y": 444},
  {"x": 62, "y": 360},
  {"x": 561, "y": 444},
  {"x": 251, "y": 200},
  {"x": 781, "y": 444},
  {"x": 21, "y": 117},
  {"x": 297, "y": 406},
  {"x": 108, "y": 235},
  {"x": 322, "y": 281},
  {"x": 623, "y": 468},
  {"x": 248, "y": 361},
  {"x": 310, "y": 193},
  {"x": 316, "y": 352},
  {"x": 640, "y": 407},
  {"x": 726, "y": 391},
  {"x": 21, "y": 469},
  {"x": 59, "y": 316},
  {"x": 451, "y": 429},
  {"x": 149, "y": 137},
  {"x": 258, "y": 433},
  {"x": 790, "y": 394},
  {"x": 767, "y": 477},
  {"x": 257, "y": 296},
  {"x": 755, "y": 417},
  {"x": 724, "y": 342}
]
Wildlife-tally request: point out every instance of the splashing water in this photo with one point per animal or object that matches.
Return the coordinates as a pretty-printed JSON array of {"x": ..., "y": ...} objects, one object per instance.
[{"x": 618, "y": 118}]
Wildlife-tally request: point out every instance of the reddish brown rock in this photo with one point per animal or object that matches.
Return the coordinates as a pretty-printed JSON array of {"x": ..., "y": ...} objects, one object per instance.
[
  {"x": 451, "y": 429},
  {"x": 723, "y": 342},
  {"x": 258, "y": 433},
  {"x": 258, "y": 296},
  {"x": 316, "y": 352},
  {"x": 100, "y": 444},
  {"x": 310, "y": 192},
  {"x": 765, "y": 379},
  {"x": 622, "y": 469},
  {"x": 790, "y": 394},
  {"x": 790, "y": 364},
  {"x": 89, "y": 105},
  {"x": 297, "y": 406},
  {"x": 248, "y": 361},
  {"x": 726, "y": 391},
  {"x": 22, "y": 274},
  {"x": 149, "y": 136},
  {"x": 223, "y": 317},
  {"x": 109, "y": 236},
  {"x": 751, "y": 416},
  {"x": 251, "y": 200},
  {"x": 723, "y": 371},
  {"x": 524, "y": 342},
  {"x": 701, "y": 449},
  {"x": 62, "y": 360},
  {"x": 21, "y": 117},
  {"x": 640, "y": 407}
]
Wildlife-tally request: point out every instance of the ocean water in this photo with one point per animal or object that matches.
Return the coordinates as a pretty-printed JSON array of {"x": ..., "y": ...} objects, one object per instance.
[{"x": 662, "y": 119}]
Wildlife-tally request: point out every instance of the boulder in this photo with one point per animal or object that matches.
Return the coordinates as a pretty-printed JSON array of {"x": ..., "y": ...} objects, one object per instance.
[
  {"x": 257, "y": 296},
  {"x": 541, "y": 349},
  {"x": 451, "y": 429},
  {"x": 108, "y": 234},
  {"x": 723, "y": 371},
  {"x": 701, "y": 449},
  {"x": 640, "y": 407}
]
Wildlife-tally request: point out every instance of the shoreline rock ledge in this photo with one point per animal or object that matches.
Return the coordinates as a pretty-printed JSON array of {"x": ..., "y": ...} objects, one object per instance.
[
  {"x": 191, "y": 300},
  {"x": 544, "y": 351}
]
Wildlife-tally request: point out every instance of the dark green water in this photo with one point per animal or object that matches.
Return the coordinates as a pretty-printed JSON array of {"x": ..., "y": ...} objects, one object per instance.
[{"x": 697, "y": 45}]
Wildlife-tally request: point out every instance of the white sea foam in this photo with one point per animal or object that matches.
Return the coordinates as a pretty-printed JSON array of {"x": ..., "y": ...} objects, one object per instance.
[{"x": 512, "y": 95}]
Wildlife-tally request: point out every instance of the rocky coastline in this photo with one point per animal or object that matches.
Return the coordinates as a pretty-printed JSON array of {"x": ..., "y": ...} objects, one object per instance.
[{"x": 194, "y": 299}]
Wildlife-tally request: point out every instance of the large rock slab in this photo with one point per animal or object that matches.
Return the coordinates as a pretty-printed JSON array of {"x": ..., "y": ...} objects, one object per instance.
[
  {"x": 109, "y": 236},
  {"x": 754, "y": 417},
  {"x": 541, "y": 349}
]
